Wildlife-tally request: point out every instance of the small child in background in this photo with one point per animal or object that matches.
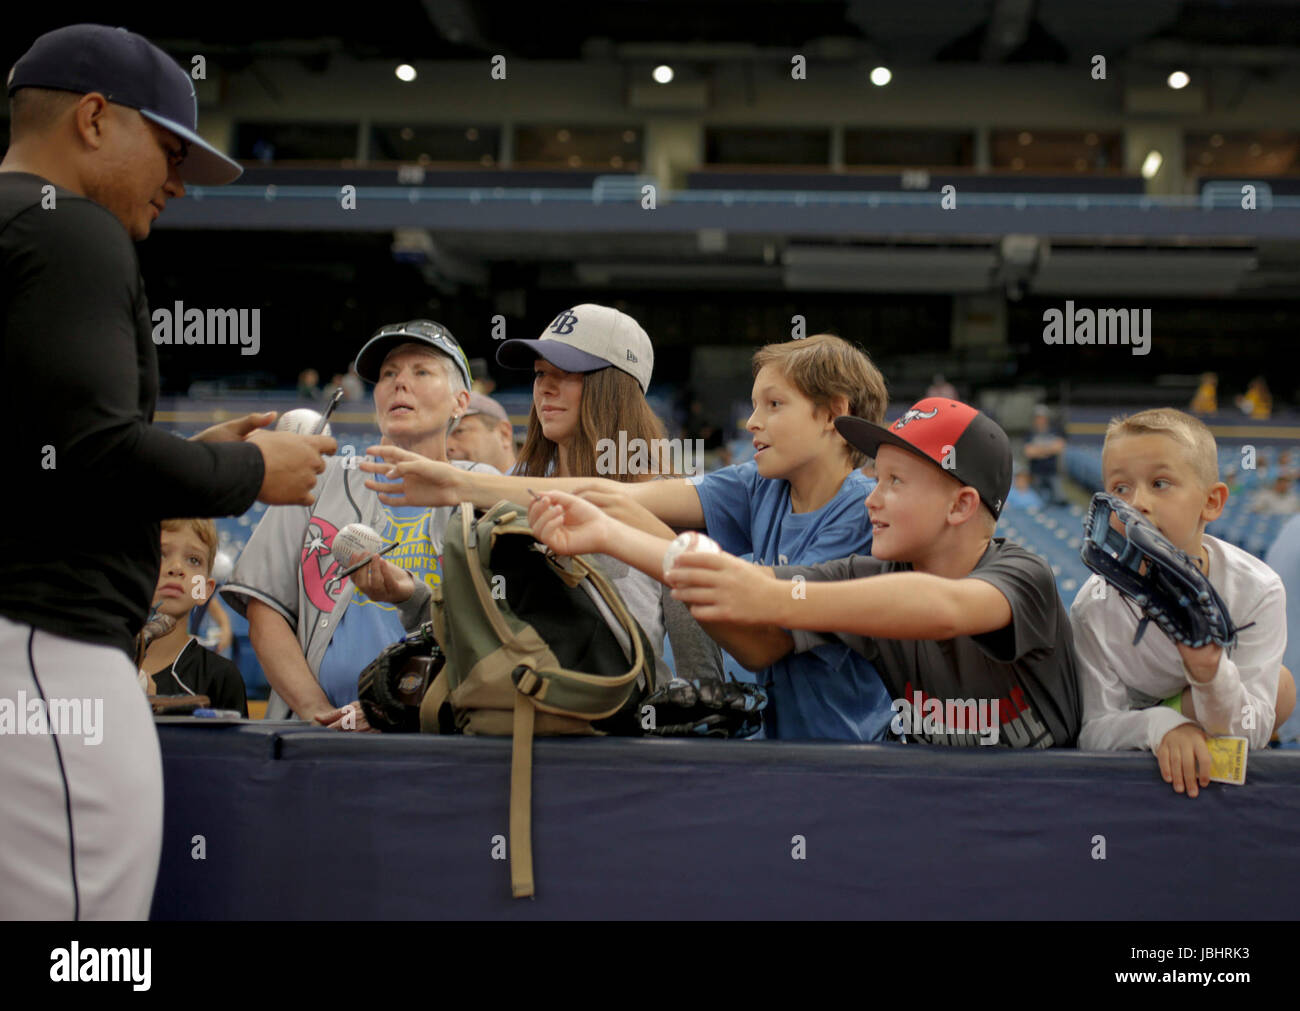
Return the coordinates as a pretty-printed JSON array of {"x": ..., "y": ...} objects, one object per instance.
[
  {"x": 175, "y": 663},
  {"x": 1164, "y": 463},
  {"x": 1022, "y": 494}
]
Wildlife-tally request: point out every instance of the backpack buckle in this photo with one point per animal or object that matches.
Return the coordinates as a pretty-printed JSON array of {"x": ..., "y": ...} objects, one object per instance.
[{"x": 528, "y": 683}]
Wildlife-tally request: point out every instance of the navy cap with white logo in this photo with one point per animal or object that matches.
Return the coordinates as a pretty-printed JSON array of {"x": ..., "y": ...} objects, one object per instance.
[{"x": 127, "y": 69}]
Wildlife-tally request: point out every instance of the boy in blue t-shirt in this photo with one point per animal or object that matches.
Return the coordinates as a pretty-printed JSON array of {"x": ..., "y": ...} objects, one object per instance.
[{"x": 830, "y": 692}]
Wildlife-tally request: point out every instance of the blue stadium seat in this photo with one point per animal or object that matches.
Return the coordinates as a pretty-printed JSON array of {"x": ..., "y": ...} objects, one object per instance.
[{"x": 1052, "y": 533}]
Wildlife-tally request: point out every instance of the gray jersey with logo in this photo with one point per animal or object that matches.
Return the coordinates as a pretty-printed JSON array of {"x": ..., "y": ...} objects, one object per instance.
[{"x": 287, "y": 563}]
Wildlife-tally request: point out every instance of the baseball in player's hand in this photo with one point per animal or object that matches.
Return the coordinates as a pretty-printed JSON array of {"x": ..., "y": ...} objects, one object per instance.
[
  {"x": 1181, "y": 752},
  {"x": 291, "y": 463},
  {"x": 568, "y": 525},
  {"x": 1202, "y": 662},
  {"x": 379, "y": 579},
  {"x": 720, "y": 587},
  {"x": 413, "y": 480},
  {"x": 236, "y": 429}
]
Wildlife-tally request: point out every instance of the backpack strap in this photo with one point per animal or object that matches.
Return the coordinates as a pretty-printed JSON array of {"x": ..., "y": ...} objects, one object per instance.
[
  {"x": 549, "y": 689},
  {"x": 521, "y": 800},
  {"x": 431, "y": 706}
]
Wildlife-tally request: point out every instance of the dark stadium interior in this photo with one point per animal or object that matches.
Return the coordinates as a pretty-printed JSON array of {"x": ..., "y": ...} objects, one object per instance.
[{"x": 313, "y": 103}]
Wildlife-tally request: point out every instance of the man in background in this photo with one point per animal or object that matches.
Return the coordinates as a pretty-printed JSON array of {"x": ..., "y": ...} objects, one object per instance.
[
  {"x": 1043, "y": 451},
  {"x": 484, "y": 435}
]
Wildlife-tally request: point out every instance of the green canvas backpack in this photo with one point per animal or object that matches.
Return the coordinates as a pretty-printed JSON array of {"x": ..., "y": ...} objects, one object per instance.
[{"x": 535, "y": 644}]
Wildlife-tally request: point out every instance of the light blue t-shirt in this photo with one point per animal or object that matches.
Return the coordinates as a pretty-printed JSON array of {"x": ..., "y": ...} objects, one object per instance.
[
  {"x": 369, "y": 626},
  {"x": 831, "y": 692}
]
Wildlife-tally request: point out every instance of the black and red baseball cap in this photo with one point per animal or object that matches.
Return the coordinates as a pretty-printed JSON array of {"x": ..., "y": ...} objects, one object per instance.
[{"x": 966, "y": 443}]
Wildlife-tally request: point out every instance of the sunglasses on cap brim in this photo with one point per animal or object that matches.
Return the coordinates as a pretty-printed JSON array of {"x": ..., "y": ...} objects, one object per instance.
[{"x": 438, "y": 337}]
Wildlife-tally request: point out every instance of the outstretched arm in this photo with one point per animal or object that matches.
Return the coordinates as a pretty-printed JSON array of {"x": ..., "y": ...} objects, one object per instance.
[
  {"x": 898, "y": 605},
  {"x": 626, "y": 509},
  {"x": 754, "y": 646},
  {"x": 569, "y": 525},
  {"x": 417, "y": 480}
]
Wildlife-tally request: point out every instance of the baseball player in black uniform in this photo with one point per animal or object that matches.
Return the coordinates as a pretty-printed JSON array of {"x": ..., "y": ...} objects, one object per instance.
[{"x": 102, "y": 136}]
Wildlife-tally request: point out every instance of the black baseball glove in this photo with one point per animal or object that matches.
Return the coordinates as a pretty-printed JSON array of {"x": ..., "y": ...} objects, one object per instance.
[
  {"x": 393, "y": 684},
  {"x": 704, "y": 709},
  {"x": 1126, "y": 550}
]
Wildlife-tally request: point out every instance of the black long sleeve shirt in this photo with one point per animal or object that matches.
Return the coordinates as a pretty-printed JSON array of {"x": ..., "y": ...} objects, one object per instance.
[{"x": 89, "y": 476}]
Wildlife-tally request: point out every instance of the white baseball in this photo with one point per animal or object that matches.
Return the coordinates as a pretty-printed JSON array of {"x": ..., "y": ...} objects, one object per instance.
[
  {"x": 692, "y": 540},
  {"x": 222, "y": 567},
  {"x": 353, "y": 543},
  {"x": 301, "y": 421}
]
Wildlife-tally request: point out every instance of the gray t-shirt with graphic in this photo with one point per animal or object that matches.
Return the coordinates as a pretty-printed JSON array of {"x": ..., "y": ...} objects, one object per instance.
[{"x": 1028, "y": 667}]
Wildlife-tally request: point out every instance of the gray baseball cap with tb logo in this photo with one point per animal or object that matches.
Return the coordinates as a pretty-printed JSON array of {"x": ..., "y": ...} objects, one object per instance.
[{"x": 586, "y": 338}]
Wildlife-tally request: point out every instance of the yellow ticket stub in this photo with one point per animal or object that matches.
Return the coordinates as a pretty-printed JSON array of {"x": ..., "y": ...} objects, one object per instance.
[{"x": 1228, "y": 759}]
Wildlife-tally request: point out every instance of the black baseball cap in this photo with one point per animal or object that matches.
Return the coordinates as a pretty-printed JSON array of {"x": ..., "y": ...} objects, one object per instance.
[
  {"x": 413, "y": 331},
  {"x": 129, "y": 70},
  {"x": 966, "y": 443}
]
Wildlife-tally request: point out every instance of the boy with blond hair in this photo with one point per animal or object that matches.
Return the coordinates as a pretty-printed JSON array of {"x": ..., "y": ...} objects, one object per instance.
[
  {"x": 176, "y": 663},
  {"x": 1164, "y": 463}
]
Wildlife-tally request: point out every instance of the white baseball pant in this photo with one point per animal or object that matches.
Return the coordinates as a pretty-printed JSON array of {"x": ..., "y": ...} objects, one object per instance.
[{"x": 80, "y": 781}]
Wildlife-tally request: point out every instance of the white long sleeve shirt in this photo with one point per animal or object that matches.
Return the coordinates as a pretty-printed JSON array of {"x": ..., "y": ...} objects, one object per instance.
[{"x": 1123, "y": 685}]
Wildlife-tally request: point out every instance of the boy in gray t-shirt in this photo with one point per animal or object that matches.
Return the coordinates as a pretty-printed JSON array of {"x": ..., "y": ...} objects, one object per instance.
[{"x": 1026, "y": 667}]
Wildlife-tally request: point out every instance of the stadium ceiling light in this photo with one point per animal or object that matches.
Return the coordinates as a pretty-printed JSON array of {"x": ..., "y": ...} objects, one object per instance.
[
  {"x": 1179, "y": 79},
  {"x": 405, "y": 72},
  {"x": 1151, "y": 164},
  {"x": 880, "y": 76},
  {"x": 663, "y": 73}
]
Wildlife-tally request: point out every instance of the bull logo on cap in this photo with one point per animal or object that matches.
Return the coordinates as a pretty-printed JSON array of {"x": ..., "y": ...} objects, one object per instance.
[{"x": 912, "y": 414}]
